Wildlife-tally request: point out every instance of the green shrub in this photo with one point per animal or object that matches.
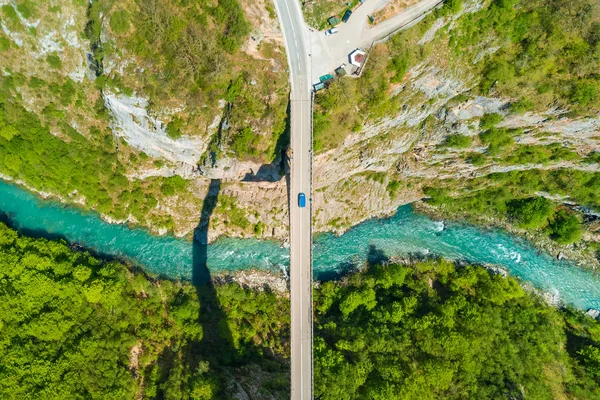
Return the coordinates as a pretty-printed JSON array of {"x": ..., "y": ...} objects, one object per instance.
[
  {"x": 234, "y": 89},
  {"x": 392, "y": 188},
  {"x": 399, "y": 66},
  {"x": 529, "y": 154},
  {"x": 24, "y": 7},
  {"x": 565, "y": 227},
  {"x": 531, "y": 212},
  {"x": 35, "y": 82},
  {"x": 490, "y": 120},
  {"x": 476, "y": 158},
  {"x": 245, "y": 143},
  {"x": 54, "y": 61},
  {"x": 228, "y": 207},
  {"x": 10, "y": 12},
  {"x": 540, "y": 154},
  {"x": 4, "y": 44},
  {"x": 450, "y": 7},
  {"x": 119, "y": 22},
  {"x": 258, "y": 228},
  {"x": 584, "y": 92},
  {"x": 497, "y": 140},
  {"x": 505, "y": 3},
  {"x": 592, "y": 157},
  {"x": 520, "y": 106},
  {"x": 438, "y": 196},
  {"x": 174, "y": 128},
  {"x": 172, "y": 185},
  {"x": 498, "y": 71},
  {"x": 458, "y": 141}
]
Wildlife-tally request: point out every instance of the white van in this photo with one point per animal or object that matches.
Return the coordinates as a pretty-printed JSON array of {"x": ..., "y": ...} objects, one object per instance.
[{"x": 331, "y": 31}]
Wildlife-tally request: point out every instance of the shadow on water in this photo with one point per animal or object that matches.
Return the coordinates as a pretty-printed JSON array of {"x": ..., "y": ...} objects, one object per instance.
[
  {"x": 216, "y": 333},
  {"x": 374, "y": 256}
]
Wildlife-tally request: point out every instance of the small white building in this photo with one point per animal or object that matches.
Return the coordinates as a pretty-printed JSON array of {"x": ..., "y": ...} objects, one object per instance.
[{"x": 358, "y": 57}]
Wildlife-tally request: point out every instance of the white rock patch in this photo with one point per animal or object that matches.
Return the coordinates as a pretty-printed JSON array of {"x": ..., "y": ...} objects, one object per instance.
[{"x": 132, "y": 122}]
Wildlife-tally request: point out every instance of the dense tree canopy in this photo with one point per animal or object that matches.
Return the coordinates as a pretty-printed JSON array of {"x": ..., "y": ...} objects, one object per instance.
[
  {"x": 73, "y": 326},
  {"x": 435, "y": 331}
]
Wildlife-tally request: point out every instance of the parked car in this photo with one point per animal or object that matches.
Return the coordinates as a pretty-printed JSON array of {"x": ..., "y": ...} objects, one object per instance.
[
  {"x": 301, "y": 200},
  {"x": 331, "y": 31},
  {"x": 326, "y": 78},
  {"x": 347, "y": 15}
]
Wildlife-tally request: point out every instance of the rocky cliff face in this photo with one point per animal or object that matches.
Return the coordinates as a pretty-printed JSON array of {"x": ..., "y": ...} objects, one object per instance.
[
  {"x": 163, "y": 129},
  {"x": 388, "y": 162}
]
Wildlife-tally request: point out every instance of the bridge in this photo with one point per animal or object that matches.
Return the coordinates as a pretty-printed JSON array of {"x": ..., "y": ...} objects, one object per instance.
[{"x": 305, "y": 67}]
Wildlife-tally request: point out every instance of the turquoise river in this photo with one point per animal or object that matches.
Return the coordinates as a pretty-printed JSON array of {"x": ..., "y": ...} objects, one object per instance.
[{"x": 405, "y": 233}]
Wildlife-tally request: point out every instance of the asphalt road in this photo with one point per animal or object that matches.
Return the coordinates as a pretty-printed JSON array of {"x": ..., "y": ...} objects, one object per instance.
[{"x": 296, "y": 40}]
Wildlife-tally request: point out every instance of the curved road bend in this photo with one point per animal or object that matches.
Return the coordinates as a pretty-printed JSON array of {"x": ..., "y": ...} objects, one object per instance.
[{"x": 294, "y": 31}]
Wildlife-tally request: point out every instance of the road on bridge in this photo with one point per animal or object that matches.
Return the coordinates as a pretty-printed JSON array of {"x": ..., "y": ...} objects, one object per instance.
[{"x": 296, "y": 40}]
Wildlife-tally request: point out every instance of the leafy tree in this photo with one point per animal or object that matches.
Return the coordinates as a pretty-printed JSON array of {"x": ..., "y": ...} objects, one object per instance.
[
  {"x": 591, "y": 359},
  {"x": 565, "y": 227},
  {"x": 532, "y": 212}
]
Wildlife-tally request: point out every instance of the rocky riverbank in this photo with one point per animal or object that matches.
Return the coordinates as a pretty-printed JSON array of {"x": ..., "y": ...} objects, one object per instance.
[{"x": 254, "y": 279}]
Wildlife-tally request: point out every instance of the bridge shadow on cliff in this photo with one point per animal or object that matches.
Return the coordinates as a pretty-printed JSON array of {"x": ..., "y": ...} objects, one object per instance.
[
  {"x": 213, "y": 319},
  {"x": 229, "y": 360}
]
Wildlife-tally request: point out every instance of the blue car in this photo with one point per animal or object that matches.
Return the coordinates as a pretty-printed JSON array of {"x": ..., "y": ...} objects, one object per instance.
[{"x": 301, "y": 200}]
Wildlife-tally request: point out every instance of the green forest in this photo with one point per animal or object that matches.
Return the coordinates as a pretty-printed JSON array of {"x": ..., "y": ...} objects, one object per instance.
[{"x": 77, "y": 326}]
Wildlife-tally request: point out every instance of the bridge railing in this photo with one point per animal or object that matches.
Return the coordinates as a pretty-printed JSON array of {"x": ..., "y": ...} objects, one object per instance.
[{"x": 312, "y": 379}]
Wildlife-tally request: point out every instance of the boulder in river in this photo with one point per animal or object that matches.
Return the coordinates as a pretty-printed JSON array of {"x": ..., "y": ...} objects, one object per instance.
[{"x": 592, "y": 312}]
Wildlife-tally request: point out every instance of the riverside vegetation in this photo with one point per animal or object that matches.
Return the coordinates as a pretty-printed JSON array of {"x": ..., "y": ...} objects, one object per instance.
[{"x": 428, "y": 329}]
